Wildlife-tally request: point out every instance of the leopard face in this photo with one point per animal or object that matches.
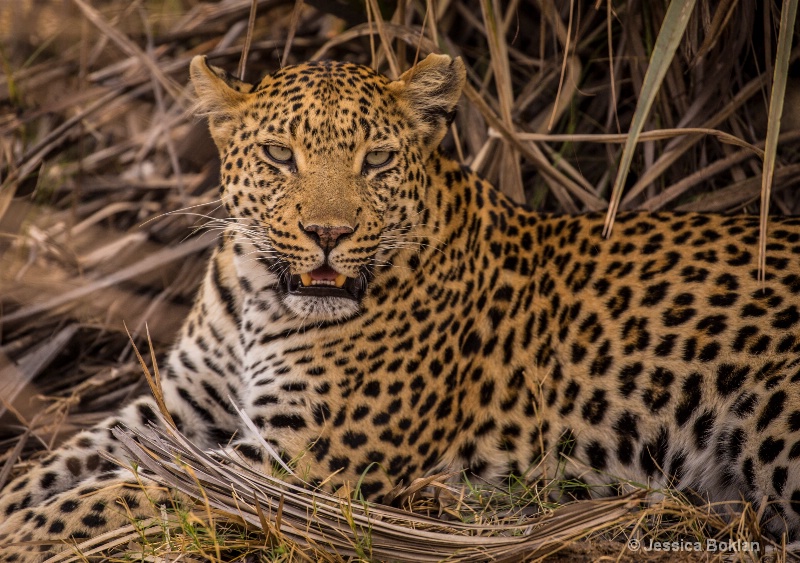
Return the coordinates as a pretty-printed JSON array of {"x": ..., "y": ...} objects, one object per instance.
[{"x": 322, "y": 169}]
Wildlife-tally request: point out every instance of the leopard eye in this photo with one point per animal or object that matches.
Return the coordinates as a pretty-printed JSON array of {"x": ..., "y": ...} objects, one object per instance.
[
  {"x": 279, "y": 154},
  {"x": 377, "y": 158}
]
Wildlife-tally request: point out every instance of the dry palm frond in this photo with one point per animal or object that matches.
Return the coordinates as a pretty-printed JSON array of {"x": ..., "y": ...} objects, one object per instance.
[
  {"x": 481, "y": 525},
  {"x": 311, "y": 518}
]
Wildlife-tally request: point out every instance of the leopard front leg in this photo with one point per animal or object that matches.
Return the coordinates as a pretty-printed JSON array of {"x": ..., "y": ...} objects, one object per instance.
[
  {"x": 196, "y": 382},
  {"x": 101, "y": 504},
  {"x": 80, "y": 458},
  {"x": 76, "y": 460}
]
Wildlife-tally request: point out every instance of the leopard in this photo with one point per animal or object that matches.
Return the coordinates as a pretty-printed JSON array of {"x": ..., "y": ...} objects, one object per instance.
[{"x": 383, "y": 313}]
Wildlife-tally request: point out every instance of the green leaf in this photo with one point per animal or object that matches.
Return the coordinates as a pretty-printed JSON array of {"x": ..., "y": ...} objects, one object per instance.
[
  {"x": 782, "y": 58},
  {"x": 669, "y": 36}
]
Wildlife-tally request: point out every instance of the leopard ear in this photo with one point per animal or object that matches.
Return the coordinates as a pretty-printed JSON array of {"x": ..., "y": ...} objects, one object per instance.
[
  {"x": 219, "y": 95},
  {"x": 430, "y": 90}
]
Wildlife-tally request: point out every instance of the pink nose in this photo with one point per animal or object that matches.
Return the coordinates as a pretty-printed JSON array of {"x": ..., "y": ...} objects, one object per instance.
[{"x": 327, "y": 237}]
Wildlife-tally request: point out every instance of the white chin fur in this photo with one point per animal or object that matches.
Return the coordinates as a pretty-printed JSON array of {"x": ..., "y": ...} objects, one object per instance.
[{"x": 321, "y": 308}]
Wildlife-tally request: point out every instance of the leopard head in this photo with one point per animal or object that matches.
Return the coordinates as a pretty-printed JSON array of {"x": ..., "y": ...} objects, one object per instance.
[{"x": 321, "y": 163}]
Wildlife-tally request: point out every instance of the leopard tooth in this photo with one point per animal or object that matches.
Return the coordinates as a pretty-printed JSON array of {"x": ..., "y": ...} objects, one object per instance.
[
  {"x": 306, "y": 279},
  {"x": 340, "y": 279}
]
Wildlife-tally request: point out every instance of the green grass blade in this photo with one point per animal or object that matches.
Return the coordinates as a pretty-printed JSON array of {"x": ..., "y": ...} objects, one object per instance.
[
  {"x": 669, "y": 37},
  {"x": 782, "y": 57}
]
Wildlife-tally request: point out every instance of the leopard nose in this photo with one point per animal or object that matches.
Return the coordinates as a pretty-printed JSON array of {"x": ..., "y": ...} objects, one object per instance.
[{"x": 327, "y": 237}]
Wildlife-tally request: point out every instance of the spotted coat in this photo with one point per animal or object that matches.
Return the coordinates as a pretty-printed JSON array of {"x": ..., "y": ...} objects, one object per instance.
[{"x": 470, "y": 333}]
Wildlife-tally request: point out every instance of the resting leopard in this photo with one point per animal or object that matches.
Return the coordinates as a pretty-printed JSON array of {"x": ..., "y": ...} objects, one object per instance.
[{"x": 381, "y": 313}]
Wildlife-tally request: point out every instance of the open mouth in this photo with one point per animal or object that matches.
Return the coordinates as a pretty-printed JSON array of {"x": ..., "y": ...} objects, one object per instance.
[{"x": 325, "y": 282}]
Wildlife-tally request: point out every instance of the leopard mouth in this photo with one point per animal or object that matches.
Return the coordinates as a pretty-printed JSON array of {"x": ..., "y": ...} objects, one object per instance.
[{"x": 325, "y": 282}]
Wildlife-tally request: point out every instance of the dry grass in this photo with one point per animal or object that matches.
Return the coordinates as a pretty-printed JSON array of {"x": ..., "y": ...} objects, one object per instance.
[
  {"x": 473, "y": 522},
  {"x": 103, "y": 174}
]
